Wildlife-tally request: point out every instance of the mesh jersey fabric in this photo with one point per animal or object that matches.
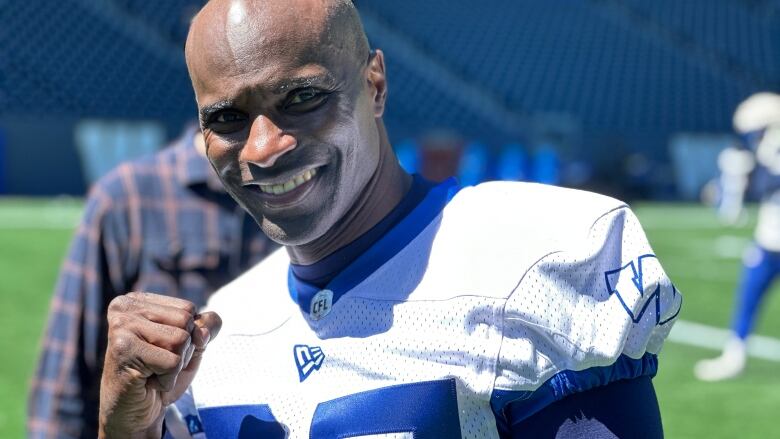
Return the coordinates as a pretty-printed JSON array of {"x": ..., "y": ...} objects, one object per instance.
[{"x": 513, "y": 292}]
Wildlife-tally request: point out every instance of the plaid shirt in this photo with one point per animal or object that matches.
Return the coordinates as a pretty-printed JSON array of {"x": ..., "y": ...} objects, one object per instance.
[{"x": 162, "y": 224}]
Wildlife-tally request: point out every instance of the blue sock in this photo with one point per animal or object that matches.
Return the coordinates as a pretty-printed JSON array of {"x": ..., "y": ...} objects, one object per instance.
[{"x": 759, "y": 269}]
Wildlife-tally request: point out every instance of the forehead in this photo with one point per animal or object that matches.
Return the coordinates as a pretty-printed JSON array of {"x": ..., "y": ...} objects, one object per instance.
[{"x": 237, "y": 44}]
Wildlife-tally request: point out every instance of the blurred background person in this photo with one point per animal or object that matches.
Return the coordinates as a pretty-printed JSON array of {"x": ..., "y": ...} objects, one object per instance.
[
  {"x": 757, "y": 121},
  {"x": 162, "y": 223}
]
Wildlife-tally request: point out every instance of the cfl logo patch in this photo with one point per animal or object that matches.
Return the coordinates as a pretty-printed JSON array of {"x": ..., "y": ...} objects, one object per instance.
[
  {"x": 642, "y": 287},
  {"x": 321, "y": 304}
]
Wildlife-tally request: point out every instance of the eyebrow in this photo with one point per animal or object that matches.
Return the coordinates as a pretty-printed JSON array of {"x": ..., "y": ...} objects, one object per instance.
[
  {"x": 286, "y": 85},
  {"x": 207, "y": 111},
  {"x": 282, "y": 87}
]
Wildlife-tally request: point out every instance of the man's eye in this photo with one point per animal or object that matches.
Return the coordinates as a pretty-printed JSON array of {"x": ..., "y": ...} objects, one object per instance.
[
  {"x": 306, "y": 100},
  {"x": 304, "y": 96},
  {"x": 228, "y": 117},
  {"x": 226, "y": 122}
]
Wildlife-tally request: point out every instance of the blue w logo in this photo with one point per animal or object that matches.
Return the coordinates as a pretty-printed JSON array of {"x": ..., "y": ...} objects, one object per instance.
[
  {"x": 630, "y": 284},
  {"x": 307, "y": 359}
]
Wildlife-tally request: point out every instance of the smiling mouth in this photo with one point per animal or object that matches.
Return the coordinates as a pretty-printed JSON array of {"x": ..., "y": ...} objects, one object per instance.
[{"x": 289, "y": 185}]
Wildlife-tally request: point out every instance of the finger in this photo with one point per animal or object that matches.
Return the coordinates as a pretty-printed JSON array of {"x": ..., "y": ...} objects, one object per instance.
[
  {"x": 163, "y": 383},
  {"x": 207, "y": 326},
  {"x": 170, "y": 338},
  {"x": 129, "y": 352},
  {"x": 167, "y": 337},
  {"x": 188, "y": 355},
  {"x": 160, "y": 361},
  {"x": 159, "y": 299},
  {"x": 169, "y": 315},
  {"x": 193, "y": 357},
  {"x": 165, "y": 366}
]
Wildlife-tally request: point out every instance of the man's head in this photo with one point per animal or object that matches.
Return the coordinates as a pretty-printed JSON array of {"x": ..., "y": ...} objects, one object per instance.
[{"x": 291, "y": 101}]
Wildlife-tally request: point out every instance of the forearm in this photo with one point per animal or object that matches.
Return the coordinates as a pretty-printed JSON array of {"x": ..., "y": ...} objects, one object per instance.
[{"x": 107, "y": 431}]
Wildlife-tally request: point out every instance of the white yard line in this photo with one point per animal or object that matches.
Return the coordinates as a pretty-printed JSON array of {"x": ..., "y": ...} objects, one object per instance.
[
  {"x": 45, "y": 222},
  {"x": 710, "y": 337},
  {"x": 56, "y": 215},
  {"x": 37, "y": 226}
]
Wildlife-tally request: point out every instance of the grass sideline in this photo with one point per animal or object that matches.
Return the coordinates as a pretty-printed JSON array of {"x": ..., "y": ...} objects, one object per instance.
[{"x": 701, "y": 257}]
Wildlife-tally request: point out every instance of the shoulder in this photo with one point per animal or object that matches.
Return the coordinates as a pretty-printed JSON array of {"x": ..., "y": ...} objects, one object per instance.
[
  {"x": 528, "y": 213},
  {"x": 533, "y": 200},
  {"x": 128, "y": 179},
  {"x": 257, "y": 301},
  {"x": 490, "y": 235}
]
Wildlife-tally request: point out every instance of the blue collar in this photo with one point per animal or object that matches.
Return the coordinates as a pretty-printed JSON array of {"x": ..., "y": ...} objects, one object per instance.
[
  {"x": 380, "y": 252},
  {"x": 323, "y": 271}
]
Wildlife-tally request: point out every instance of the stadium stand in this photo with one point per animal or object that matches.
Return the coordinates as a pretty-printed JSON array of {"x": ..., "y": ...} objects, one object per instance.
[
  {"x": 576, "y": 57},
  {"x": 90, "y": 58},
  {"x": 630, "y": 73}
]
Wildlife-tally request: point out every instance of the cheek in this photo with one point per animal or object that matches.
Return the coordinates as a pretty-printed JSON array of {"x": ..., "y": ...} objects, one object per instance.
[
  {"x": 361, "y": 157},
  {"x": 219, "y": 152},
  {"x": 364, "y": 137}
]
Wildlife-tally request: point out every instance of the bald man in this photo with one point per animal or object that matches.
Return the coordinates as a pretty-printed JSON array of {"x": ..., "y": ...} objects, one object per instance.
[{"x": 399, "y": 307}]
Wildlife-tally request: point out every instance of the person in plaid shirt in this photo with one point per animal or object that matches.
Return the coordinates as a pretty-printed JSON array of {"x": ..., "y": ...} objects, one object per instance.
[{"x": 162, "y": 223}]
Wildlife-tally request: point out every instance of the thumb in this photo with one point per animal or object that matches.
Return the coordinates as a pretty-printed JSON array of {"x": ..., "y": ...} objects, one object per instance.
[{"x": 207, "y": 326}]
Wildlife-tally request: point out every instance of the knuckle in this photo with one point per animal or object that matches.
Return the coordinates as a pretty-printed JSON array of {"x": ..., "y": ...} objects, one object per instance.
[
  {"x": 124, "y": 303},
  {"x": 122, "y": 344},
  {"x": 176, "y": 340},
  {"x": 118, "y": 320},
  {"x": 118, "y": 304},
  {"x": 135, "y": 295},
  {"x": 172, "y": 362},
  {"x": 180, "y": 337},
  {"x": 183, "y": 318},
  {"x": 190, "y": 308}
]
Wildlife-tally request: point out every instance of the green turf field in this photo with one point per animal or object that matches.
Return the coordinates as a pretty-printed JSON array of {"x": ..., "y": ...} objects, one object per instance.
[{"x": 701, "y": 257}]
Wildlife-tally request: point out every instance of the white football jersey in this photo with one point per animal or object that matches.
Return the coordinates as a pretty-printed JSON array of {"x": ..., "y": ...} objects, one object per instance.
[{"x": 503, "y": 292}]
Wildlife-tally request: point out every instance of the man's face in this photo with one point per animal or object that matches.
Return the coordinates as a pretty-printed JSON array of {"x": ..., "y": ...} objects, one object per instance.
[{"x": 289, "y": 118}]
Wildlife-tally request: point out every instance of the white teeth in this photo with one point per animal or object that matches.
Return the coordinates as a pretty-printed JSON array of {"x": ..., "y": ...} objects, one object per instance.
[{"x": 282, "y": 188}]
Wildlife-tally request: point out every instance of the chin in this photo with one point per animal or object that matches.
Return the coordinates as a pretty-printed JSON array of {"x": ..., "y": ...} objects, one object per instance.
[{"x": 292, "y": 234}]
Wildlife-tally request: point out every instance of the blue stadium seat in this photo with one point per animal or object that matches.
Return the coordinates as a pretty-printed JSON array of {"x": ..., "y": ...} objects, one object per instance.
[
  {"x": 474, "y": 164},
  {"x": 513, "y": 163}
]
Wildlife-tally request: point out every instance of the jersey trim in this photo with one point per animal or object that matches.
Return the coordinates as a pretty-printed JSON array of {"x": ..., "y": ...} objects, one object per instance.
[{"x": 568, "y": 382}]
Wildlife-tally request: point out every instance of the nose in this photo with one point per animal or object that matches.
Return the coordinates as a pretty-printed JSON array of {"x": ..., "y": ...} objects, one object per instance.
[{"x": 266, "y": 143}]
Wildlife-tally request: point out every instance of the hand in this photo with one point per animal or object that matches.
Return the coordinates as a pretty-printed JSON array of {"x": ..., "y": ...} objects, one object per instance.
[{"x": 155, "y": 344}]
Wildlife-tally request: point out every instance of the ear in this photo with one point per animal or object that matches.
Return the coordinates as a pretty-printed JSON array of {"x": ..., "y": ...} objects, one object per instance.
[{"x": 377, "y": 81}]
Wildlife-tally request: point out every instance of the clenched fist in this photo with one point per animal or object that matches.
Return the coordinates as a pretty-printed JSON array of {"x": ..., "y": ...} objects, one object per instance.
[{"x": 155, "y": 344}]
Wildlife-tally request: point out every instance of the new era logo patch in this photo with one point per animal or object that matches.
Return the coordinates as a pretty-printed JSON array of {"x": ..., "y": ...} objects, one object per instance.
[{"x": 307, "y": 359}]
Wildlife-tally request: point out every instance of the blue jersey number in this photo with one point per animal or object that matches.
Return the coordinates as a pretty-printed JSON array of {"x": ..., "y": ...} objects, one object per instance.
[{"x": 428, "y": 410}]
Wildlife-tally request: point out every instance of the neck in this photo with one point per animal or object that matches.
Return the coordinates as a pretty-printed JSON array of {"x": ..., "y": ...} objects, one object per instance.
[{"x": 383, "y": 192}]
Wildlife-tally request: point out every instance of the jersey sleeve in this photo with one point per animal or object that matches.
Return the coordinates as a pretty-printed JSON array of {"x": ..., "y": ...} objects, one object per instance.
[{"x": 594, "y": 311}]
